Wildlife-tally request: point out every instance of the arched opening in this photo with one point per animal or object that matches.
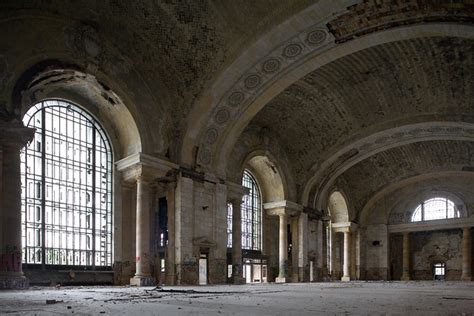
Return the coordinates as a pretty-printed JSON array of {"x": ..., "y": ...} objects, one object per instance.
[
  {"x": 435, "y": 208},
  {"x": 337, "y": 213},
  {"x": 66, "y": 189},
  {"x": 255, "y": 269}
]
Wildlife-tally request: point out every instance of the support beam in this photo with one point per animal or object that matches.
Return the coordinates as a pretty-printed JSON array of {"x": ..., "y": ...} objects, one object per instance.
[
  {"x": 13, "y": 136},
  {"x": 406, "y": 257},
  {"x": 347, "y": 256},
  {"x": 237, "y": 267},
  {"x": 283, "y": 250},
  {"x": 142, "y": 274},
  {"x": 466, "y": 255}
]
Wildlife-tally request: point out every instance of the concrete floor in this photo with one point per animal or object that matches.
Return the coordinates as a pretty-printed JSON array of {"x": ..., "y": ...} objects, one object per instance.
[{"x": 401, "y": 298}]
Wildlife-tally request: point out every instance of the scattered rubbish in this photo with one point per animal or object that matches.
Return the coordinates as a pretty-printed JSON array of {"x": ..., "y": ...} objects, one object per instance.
[{"x": 458, "y": 298}]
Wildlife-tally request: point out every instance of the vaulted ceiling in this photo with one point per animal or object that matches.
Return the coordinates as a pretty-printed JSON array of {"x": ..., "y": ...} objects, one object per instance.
[
  {"x": 389, "y": 85},
  {"x": 349, "y": 122}
]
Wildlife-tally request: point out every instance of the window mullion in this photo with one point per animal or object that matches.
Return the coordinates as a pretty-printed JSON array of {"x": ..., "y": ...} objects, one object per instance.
[
  {"x": 43, "y": 187},
  {"x": 93, "y": 195}
]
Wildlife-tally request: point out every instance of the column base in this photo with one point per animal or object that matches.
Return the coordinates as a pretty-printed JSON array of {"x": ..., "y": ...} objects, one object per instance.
[
  {"x": 282, "y": 280},
  {"x": 142, "y": 281},
  {"x": 238, "y": 280},
  {"x": 13, "y": 282},
  {"x": 345, "y": 278},
  {"x": 466, "y": 278},
  {"x": 295, "y": 278},
  {"x": 405, "y": 278}
]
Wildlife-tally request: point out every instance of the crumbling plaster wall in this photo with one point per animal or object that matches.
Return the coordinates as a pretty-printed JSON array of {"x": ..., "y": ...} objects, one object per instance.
[
  {"x": 396, "y": 207},
  {"x": 435, "y": 247}
]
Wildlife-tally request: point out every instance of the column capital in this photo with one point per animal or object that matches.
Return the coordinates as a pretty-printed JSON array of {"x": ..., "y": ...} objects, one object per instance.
[
  {"x": 283, "y": 207},
  {"x": 143, "y": 166},
  {"x": 345, "y": 227},
  {"x": 15, "y": 134},
  {"x": 235, "y": 192}
]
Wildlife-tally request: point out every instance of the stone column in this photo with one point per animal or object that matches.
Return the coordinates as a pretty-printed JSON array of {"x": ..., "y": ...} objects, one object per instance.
[
  {"x": 283, "y": 242},
  {"x": 294, "y": 249},
  {"x": 142, "y": 275},
  {"x": 170, "y": 257},
  {"x": 237, "y": 268},
  {"x": 13, "y": 136},
  {"x": 406, "y": 257},
  {"x": 466, "y": 255},
  {"x": 347, "y": 256},
  {"x": 303, "y": 247}
]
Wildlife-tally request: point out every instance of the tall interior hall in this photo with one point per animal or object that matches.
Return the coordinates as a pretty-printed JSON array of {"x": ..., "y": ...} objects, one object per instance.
[{"x": 206, "y": 143}]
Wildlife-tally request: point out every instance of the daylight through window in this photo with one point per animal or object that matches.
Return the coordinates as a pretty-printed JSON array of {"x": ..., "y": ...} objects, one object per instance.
[{"x": 66, "y": 188}]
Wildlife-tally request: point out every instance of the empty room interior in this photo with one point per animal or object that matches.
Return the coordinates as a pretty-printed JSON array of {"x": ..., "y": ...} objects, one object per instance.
[{"x": 236, "y": 157}]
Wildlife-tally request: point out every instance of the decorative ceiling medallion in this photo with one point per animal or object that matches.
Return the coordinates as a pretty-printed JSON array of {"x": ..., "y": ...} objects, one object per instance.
[
  {"x": 316, "y": 37},
  {"x": 271, "y": 65},
  {"x": 205, "y": 156},
  {"x": 222, "y": 116},
  {"x": 211, "y": 136},
  {"x": 252, "y": 81},
  {"x": 292, "y": 50},
  {"x": 236, "y": 98}
]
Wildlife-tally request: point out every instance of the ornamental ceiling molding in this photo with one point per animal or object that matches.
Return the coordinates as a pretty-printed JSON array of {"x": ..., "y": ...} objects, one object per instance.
[
  {"x": 318, "y": 187},
  {"x": 303, "y": 53},
  {"x": 261, "y": 75},
  {"x": 364, "y": 215}
]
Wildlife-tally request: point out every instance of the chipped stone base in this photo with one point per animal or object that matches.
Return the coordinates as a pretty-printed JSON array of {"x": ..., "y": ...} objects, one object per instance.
[
  {"x": 345, "y": 278},
  {"x": 142, "y": 281},
  {"x": 237, "y": 280},
  {"x": 13, "y": 283},
  {"x": 466, "y": 278},
  {"x": 282, "y": 280}
]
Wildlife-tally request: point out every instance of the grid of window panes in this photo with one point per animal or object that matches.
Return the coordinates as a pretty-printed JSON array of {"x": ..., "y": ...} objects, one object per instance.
[
  {"x": 436, "y": 208},
  {"x": 251, "y": 214},
  {"x": 66, "y": 188},
  {"x": 229, "y": 225}
]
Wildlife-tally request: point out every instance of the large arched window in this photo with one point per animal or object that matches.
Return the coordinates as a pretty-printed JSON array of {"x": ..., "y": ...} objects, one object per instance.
[
  {"x": 66, "y": 188},
  {"x": 435, "y": 208},
  {"x": 251, "y": 216}
]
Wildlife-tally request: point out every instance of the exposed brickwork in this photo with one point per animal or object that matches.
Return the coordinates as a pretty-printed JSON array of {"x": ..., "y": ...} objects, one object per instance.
[
  {"x": 370, "y": 90},
  {"x": 388, "y": 167},
  {"x": 374, "y": 15}
]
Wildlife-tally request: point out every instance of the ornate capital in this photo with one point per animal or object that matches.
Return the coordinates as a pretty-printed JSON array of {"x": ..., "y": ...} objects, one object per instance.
[
  {"x": 15, "y": 134},
  {"x": 283, "y": 207},
  {"x": 235, "y": 192}
]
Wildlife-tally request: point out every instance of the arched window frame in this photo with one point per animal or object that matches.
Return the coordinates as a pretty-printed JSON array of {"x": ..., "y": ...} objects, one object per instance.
[
  {"x": 251, "y": 213},
  {"x": 420, "y": 212},
  {"x": 92, "y": 226}
]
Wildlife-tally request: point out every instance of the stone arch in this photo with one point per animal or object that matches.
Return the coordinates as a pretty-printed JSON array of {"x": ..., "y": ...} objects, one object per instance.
[
  {"x": 269, "y": 176},
  {"x": 338, "y": 208},
  {"x": 325, "y": 174},
  {"x": 56, "y": 80},
  {"x": 429, "y": 184},
  {"x": 225, "y": 132},
  {"x": 426, "y": 195}
]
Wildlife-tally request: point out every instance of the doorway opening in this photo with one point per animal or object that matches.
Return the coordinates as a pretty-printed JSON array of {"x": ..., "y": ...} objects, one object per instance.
[
  {"x": 203, "y": 268},
  {"x": 439, "y": 271}
]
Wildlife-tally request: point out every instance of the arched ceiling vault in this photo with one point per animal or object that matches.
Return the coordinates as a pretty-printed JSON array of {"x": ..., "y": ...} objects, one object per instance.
[
  {"x": 158, "y": 54},
  {"x": 269, "y": 66},
  {"x": 372, "y": 100},
  {"x": 408, "y": 193},
  {"x": 364, "y": 180}
]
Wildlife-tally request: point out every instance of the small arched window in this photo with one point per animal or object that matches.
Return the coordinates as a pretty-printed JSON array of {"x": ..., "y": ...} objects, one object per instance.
[
  {"x": 435, "y": 208},
  {"x": 251, "y": 216},
  {"x": 66, "y": 188}
]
